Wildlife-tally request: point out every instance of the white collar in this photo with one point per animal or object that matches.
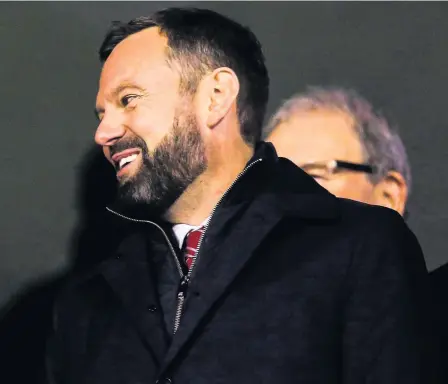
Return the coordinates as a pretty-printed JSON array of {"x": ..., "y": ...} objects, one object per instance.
[{"x": 181, "y": 230}]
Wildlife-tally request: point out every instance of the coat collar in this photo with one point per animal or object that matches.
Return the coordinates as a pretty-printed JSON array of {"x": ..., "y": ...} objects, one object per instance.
[{"x": 283, "y": 186}]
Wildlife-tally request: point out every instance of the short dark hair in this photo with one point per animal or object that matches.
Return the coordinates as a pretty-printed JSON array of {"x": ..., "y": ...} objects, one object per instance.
[{"x": 200, "y": 41}]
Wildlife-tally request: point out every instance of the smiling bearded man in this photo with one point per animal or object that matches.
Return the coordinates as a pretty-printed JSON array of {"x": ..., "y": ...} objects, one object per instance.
[{"x": 238, "y": 267}]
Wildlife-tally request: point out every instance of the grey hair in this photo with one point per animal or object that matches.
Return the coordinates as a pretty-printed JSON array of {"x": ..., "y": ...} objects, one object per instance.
[{"x": 382, "y": 145}]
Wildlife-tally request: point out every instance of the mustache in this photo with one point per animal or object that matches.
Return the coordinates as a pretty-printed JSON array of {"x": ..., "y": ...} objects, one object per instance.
[{"x": 123, "y": 144}]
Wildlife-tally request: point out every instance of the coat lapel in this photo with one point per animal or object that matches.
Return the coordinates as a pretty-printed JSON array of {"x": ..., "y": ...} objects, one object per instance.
[
  {"x": 216, "y": 271},
  {"x": 129, "y": 276}
]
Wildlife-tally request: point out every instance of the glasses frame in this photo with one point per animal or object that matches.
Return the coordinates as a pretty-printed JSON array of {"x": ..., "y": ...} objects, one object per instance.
[{"x": 333, "y": 165}]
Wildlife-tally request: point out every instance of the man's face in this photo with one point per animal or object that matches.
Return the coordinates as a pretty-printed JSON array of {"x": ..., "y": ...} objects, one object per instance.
[
  {"x": 320, "y": 136},
  {"x": 147, "y": 129}
]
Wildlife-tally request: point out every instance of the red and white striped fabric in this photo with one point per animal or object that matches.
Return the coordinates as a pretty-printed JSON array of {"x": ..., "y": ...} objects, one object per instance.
[{"x": 191, "y": 245}]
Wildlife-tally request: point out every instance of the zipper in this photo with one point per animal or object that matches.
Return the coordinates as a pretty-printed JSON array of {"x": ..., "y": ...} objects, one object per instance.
[
  {"x": 173, "y": 252},
  {"x": 185, "y": 278},
  {"x": 181, "y": 294}
]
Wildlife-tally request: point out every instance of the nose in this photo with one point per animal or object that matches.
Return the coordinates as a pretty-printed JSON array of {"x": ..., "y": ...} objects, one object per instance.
[{"x": 109, "y": 131}]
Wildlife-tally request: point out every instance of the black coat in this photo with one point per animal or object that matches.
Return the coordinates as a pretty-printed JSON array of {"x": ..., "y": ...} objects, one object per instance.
[
  {"x": 439, "y": 285},
  {"x": 292, "y": 285}
]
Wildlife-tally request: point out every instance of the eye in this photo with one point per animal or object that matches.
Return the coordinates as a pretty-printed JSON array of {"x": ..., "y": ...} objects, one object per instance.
[
  {"x": 125, "y": 100},
  {"x": 319, "y": 178},
  {"x": 315, "y": 172}
]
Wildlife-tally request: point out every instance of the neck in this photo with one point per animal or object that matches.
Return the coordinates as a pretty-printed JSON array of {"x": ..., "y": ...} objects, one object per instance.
[{"x": 200, "y": 198}]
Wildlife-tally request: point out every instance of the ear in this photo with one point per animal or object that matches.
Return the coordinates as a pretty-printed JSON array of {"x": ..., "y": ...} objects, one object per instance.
[
  {"x": 392, "y": 192},
  {"x": 223, "y": 92}
]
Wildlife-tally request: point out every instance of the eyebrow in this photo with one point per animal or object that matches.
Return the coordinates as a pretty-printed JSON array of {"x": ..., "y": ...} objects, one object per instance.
[{"x": 116, "y": 91}]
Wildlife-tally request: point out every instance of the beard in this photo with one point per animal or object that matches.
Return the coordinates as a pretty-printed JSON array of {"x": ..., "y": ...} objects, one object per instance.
[{"x": 164, "y": 174}]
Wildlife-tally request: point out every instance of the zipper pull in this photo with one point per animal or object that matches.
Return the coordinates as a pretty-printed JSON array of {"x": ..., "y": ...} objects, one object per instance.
[
  {"x": 183, "y": 286},
  {"x": 180, "y": 300}
]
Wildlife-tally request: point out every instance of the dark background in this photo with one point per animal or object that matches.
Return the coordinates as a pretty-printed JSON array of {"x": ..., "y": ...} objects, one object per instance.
[{"x": 54, "y": 182}]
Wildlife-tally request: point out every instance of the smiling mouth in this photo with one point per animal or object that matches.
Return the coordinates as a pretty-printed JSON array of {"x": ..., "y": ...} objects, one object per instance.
[{"x": 123, "y": 159}]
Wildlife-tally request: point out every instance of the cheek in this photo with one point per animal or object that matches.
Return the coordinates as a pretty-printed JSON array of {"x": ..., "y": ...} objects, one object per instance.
[
  {"x": 151, "y": 127},
  {"x": 349, "y": 187},
  {"x": 106, "y": 151},
  {"x": 336, "y": 187}
]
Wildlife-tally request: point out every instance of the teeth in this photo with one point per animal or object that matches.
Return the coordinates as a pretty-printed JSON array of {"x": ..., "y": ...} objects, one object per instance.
[{"x": 126, "y": 160}]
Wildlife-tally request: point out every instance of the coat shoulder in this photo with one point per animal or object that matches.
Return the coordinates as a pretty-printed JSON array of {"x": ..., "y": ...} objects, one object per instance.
[{"x": 373, "y": 221}]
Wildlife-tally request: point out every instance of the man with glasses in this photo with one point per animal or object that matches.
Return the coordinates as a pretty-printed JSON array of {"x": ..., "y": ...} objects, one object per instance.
[{"x": 336, "y": 137}]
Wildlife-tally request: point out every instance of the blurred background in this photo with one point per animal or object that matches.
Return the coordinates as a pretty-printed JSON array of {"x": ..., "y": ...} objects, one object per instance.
[{"x": 55, "y": 183}]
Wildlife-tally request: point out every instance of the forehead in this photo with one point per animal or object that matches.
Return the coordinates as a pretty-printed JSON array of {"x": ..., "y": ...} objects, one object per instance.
[
  {"x": 315, "y": 135},
  {"x": 139, "y": 59}
]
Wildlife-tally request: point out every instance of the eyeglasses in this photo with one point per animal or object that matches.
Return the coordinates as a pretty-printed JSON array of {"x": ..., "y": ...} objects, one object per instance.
[{"x": 326, "y": 169}]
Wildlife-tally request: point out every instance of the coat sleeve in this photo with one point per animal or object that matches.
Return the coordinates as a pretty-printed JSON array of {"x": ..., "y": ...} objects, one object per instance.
[{"x": 388, "y": 322}]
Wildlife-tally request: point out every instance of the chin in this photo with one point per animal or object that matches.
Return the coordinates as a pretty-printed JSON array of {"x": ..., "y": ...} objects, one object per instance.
[
  {"x": 124, "y": 180},
  {"x": 129, "y": 177}
]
